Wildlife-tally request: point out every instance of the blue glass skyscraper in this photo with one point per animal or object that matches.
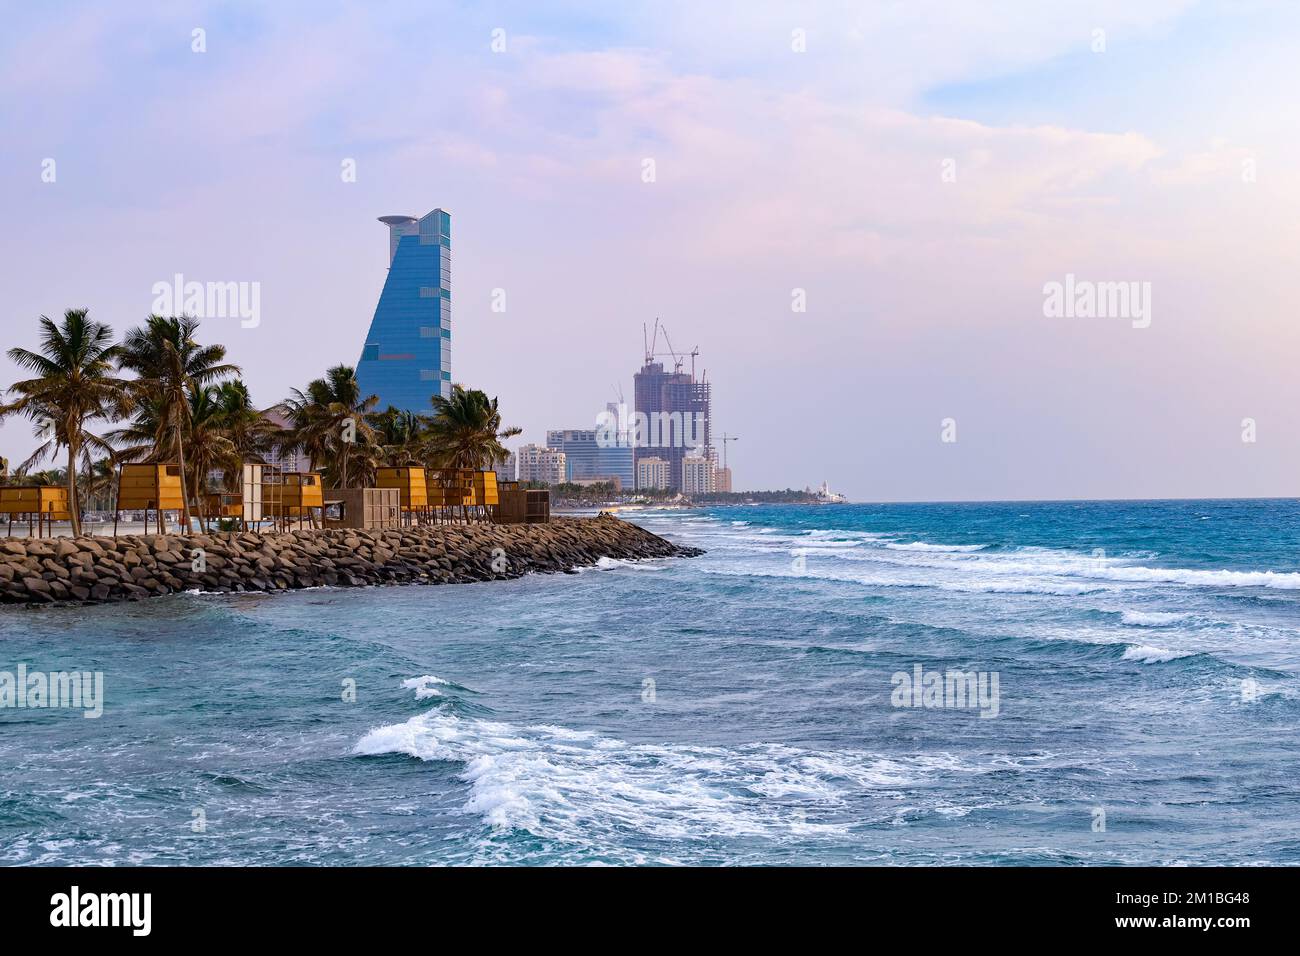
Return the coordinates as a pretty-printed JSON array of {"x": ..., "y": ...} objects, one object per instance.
[
  {"x": 406, "y": 358},
  {"x": 586, "y": 458}
]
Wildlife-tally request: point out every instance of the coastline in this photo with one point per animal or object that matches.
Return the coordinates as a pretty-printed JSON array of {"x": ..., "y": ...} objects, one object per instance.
[{"x": 96, "y": 570}]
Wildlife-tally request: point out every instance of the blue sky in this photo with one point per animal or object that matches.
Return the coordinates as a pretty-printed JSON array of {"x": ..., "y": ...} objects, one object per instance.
[{"x": 776, "y": 170}]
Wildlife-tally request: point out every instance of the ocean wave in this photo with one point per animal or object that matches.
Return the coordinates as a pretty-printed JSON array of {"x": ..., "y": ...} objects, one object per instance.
[
  {"x": 423, "y": 686},
  {"x": 586, "y": 789},
  {"x": 938, "y": 548},
  {"x": 1027, "y": 561},
  {"x": 1021, "y": 586},
  {"x": 1152, "y": 618},
  {"x": 1282, "y": 580},
  {"x": 813, "y": 573},
  {"x": 824, "y": 533},
  {"x": 610, "y": 564},
  {"x": 1147, "y": 654}
]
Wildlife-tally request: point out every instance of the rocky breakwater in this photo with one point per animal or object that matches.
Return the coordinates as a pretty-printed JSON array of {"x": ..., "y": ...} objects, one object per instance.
[{"x": 133, "y": 567}]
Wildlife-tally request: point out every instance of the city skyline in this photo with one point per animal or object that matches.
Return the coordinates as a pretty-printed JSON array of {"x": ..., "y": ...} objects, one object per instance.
[
  {"x": 855, "y": 213},
  {"x": 940, "y": 517}
]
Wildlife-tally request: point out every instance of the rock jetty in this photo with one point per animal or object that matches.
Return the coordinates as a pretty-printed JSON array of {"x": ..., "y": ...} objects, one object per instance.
[{"x": 132, "y": 567}]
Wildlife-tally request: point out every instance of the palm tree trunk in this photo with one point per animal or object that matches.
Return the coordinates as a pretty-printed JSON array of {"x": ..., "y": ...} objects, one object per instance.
[
  {"x": 74, "y": 507},
  {"x": 185, "y": 494}
]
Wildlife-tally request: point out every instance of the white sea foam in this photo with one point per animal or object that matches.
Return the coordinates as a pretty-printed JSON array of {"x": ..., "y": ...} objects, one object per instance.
[
  {"x": 1152, "y": 655},
  {"x": 1152, "y": 618},
  {"x": 1283, "y": 580},
  {"x": 610, "y": 564},
  {"x": 970, "y": 567},
  {"x": 586, "y": 789},
  {"x": 1021, "y": 586},
  {"x": 423, "y": 686},
  {"x": 938, "y": 548}
]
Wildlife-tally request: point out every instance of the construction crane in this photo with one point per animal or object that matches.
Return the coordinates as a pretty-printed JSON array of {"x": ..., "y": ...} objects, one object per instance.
[
  {"x": 678, "y": 359},
  {"x": 649, "y": 343},
  {"x": 725, "y": 439}
]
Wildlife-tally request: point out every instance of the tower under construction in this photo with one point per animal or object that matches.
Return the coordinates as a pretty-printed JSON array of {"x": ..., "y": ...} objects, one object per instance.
[{"x": 673, "y": 410}]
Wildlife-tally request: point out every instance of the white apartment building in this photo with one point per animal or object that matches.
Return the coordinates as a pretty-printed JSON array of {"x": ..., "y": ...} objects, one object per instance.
[
  {"x": 697, "y": 475},
  {"x": 541, "y": 464},
  {"x": 652, "y": 473}
]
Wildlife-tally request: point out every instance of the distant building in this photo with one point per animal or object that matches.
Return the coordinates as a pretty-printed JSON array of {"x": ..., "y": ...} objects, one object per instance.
[
  {"x": 406, "y": 357},
  {"x": 586, "y": 458},
  {"x": 722, "y": 479},
  {"x": 506, "y": 468},
  {"x": 541, "y": 464},
  {"x": 674, "y": 411},
  {"x": 697, "y": 475},
  {"x": 652, "y": 473},
  {"x": 279, "y": 456}
]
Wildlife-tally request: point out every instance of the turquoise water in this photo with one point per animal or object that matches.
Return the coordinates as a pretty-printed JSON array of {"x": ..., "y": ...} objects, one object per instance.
[{"x": 1146, "y": 657}]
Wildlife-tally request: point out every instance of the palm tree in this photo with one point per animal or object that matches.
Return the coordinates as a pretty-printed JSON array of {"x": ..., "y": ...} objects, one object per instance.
[
  {"x": 100, "y": 482},
  {"x": 250, "y": 432},
  {"x": 400, "y": 435},
  {"x": 466, "y": 430},
  {"x": 210, "y": 448},
  {"x": 74, "y": 385},
  {"x": 170, "y": 365},
  {"x": 222, "y": 431},
  {"x": 49, "y": 478},
  {"x": 139, "y": 439},
  {"x": 328, "y": 423}
]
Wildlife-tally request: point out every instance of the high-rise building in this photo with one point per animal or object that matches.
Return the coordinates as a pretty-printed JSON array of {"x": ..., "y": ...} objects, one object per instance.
[
  {"x": 652, "y": 473},
  {"x": 722, "y": 479},
  {"x": 541, "y": 464},
  {"x": 697, "y": 475},
  {"x": 586, "y": 457},
  {"x": 672, "y": 416},
  {"x": 406, "y": 358}
]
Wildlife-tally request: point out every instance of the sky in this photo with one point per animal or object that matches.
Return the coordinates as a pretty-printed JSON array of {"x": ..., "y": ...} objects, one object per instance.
[{"x": 855, "y": 213}]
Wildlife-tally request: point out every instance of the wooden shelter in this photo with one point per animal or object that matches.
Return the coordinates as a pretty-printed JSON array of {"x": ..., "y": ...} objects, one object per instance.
[
  {"x": 256, "y": 499},
  {"x": 299, "y": 495},
  {"x": 222, "y": 505},
  {"x": 148, "y": 487},
  {"x": 253, "y": 491},
  {"x": 449, "y": 490},
  {"x": 42, "y": 505},
  {"x": 364, "y": 508},
  {"x": 486, "y": 494},
  {"x": 522, "y": 505},
  {"x": 538, "y": 510},
  {"x": 411, "y": 482}
]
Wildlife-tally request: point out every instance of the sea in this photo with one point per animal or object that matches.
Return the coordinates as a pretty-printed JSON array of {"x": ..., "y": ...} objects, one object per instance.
[{"x": 1048, "y": 683}]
